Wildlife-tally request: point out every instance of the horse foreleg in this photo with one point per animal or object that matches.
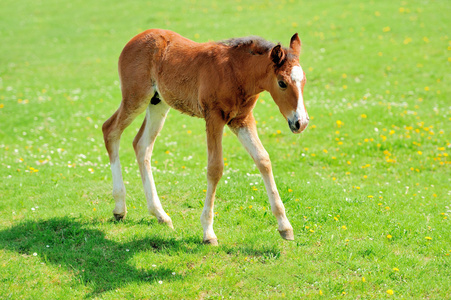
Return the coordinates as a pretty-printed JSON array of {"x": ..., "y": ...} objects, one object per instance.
[
  {"x": 247, "y": 134},
  {"x": 215, "y": 127},
  {"x": 143, "y": 145}
]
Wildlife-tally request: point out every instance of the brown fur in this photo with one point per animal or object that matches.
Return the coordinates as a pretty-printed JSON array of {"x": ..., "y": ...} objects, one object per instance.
[{"x": 217, "y": 81}]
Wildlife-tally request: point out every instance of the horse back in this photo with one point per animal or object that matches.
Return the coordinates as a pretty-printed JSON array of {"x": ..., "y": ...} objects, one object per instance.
[{"x": 190, "y": 77}]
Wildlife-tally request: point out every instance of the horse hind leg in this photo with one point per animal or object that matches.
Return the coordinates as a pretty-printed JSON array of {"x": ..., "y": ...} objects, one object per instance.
[
  {"x": 112, "y": 129},
  {"x": 143, "y": 145}
]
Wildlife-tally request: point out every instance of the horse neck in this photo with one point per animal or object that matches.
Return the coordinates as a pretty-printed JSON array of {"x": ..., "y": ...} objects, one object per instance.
[{"x": 255, "y": 73}]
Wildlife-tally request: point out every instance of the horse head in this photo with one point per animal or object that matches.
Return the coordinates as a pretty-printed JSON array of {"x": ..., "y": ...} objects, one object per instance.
[{"x": 287, "y": 84}]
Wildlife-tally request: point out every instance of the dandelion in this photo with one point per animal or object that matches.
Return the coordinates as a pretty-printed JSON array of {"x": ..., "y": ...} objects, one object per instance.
[
  {"x": 389, "y": 236},
  {"x": 250, "y": 206},
  {"x": 290, "y": 190},
  {"x": 363, "y": 279},
  {"x": 363, "y": 116},
  {"x": 395, "y": 269},
  {"x": 428, "y": 238},
  {"x": 390, "y": 292},
  {"x": 344, "y": 227},
  {"x": 386, "y": 29}
]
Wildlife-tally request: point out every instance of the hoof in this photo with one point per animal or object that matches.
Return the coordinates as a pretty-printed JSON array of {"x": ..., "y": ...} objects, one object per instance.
[
  {"x": 213, "y": 242},
  {"x": 119, "y": 217},
  {"x": 287, "y": 234},
  {"x": 167, "y": 222}
]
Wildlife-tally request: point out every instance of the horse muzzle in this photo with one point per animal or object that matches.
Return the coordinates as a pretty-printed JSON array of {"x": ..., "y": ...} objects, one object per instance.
[{"x": 298, "y": 124}]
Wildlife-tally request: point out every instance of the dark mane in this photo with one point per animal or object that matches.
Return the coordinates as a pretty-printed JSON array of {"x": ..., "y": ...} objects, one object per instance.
[{"x": 253, "y": 44}]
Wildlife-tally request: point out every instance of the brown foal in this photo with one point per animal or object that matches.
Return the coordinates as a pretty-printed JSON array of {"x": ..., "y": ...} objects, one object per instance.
[{"x": 217, "y": 81}]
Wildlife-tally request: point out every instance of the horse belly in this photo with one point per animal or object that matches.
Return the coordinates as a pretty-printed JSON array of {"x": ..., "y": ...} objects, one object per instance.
[{"x": 183, "y": 103}]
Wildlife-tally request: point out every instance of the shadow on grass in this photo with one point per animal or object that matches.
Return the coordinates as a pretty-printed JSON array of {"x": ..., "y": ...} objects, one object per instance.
[
  {"x": 103, "y": 263},
  {"x": 93, "y": 258}
]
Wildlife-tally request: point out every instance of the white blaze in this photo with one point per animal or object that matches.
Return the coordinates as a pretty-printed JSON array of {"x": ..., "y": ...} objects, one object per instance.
[{"x": 297, "y": 75}]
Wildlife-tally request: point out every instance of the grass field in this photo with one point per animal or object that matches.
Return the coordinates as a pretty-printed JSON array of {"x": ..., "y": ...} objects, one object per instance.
[{"x": 367, "y": 187}]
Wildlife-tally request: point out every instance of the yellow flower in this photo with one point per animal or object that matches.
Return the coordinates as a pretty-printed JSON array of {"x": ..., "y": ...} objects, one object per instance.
[
  {"x": 290, "y": 190},
  {"x": 363, "y": 116},
  {"x": 386, "y": 29},
  {"x": 389, "y": 236},
  {"x": 390, "y": 292},
  {"x": 395, "y": 269},
  {"x": 344, "y": 227},
  {"x": 428, "y": 238},
  {"x": 363, "y": 279}
]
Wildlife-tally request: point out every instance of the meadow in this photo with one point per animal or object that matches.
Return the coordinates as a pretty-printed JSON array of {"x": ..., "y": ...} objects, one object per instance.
[{"x": 367, "y": 187}]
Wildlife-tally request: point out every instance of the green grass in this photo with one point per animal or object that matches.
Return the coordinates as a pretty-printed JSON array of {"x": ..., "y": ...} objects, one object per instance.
[{"x": 366, "y": 187}]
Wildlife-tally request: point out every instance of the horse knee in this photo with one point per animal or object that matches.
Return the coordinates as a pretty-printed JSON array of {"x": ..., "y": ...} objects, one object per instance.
[
  {"x": 215, "y": 169},
  {"x": 263, "y": 163}
]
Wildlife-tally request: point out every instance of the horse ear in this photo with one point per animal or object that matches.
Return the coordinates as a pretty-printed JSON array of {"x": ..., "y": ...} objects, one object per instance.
[
  {"x": 295, "y": 44},
  {"x": 278, "y": 55}
]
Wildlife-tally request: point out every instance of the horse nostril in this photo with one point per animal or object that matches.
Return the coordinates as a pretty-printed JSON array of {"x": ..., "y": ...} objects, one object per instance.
[{"x": 297, "y": 124}]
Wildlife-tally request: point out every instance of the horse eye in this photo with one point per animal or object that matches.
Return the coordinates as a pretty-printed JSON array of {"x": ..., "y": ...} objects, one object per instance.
[{"x": 282, "y": 84}]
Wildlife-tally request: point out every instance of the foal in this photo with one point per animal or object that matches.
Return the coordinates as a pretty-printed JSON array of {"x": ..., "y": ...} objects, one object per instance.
[{"x": 216, "y": 81}]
